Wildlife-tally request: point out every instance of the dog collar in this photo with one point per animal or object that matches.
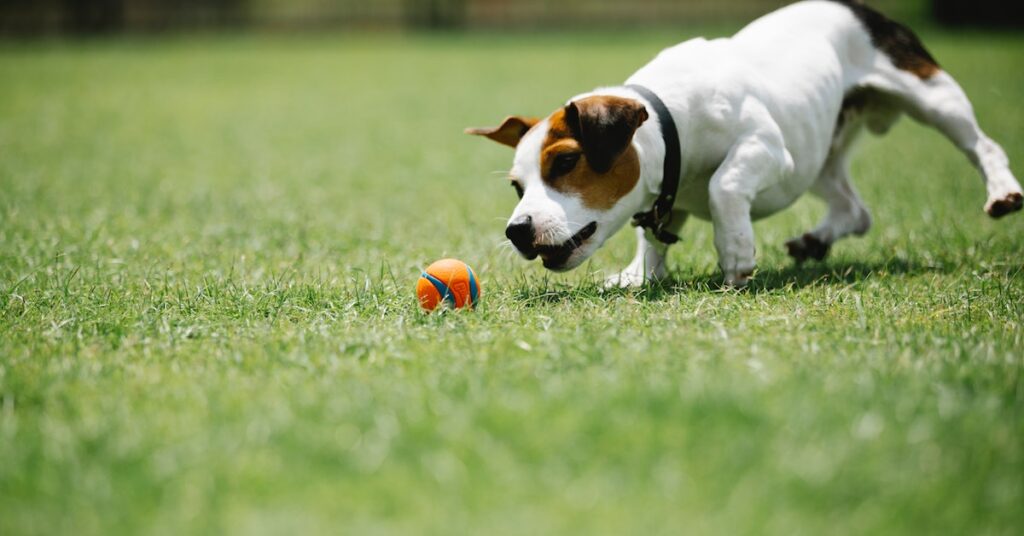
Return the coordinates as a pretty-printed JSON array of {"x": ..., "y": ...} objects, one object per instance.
[{"x": 660, "y": 216}]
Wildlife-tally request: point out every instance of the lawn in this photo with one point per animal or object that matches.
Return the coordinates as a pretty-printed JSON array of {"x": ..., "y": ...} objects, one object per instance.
[{"x": 208, "y": 250}]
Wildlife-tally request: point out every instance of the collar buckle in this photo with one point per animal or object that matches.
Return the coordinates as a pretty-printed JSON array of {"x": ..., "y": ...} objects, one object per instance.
[{"x": 657, "y": 222}]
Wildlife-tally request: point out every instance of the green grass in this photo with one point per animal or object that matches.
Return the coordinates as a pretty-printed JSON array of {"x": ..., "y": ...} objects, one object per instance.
[{"x": 208, "y": 249}]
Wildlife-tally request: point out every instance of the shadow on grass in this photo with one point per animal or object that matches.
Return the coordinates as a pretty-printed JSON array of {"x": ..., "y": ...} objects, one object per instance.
[
  {"x": 769, "y": 280},
  {"x": 839, "y": 273}
]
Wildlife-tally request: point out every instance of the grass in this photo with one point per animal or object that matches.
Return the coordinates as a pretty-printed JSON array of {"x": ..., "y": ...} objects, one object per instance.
[{"x": 208, "y": 248}]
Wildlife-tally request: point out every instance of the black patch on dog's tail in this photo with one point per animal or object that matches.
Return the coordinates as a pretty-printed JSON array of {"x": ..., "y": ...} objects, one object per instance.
[{"x": 894, "y": 39}]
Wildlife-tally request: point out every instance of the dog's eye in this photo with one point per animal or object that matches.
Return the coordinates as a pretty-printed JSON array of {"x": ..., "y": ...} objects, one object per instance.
[
  {"x": 564, "y": 163},
  {"x": 519, "y": 189}
]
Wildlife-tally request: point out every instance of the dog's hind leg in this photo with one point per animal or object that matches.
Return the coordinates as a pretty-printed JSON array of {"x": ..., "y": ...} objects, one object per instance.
[
  {"x": 938, "y": 101},
  {"x": 908, "y": 73},
  {"x": 847, "y": 214}
]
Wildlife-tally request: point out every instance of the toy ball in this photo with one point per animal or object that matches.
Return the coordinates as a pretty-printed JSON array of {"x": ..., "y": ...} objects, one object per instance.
[{"x": 448, "y": 281}]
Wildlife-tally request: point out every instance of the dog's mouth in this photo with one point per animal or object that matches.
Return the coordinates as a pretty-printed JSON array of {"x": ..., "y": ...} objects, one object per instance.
[{"x": 554, "y": 256}]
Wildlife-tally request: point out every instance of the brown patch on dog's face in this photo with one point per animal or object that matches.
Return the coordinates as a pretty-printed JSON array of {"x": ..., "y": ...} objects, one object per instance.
[{"x": 588, "y": 152}]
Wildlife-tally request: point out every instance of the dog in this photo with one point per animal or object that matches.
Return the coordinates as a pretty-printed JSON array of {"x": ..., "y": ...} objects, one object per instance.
[{"x": 732, "y": 130}]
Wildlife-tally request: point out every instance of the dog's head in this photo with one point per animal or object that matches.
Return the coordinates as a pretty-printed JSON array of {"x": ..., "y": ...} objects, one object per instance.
[{"x": 576, "y": 173}]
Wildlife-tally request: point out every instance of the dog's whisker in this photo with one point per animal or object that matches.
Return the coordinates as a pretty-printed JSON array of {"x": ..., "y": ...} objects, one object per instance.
[{"x": 551, "y": 235}]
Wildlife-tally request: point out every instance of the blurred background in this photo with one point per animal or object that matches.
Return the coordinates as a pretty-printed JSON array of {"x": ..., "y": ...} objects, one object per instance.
[
  {"x": 213, "y": 215},
  {"x": 61, "y": 17}
]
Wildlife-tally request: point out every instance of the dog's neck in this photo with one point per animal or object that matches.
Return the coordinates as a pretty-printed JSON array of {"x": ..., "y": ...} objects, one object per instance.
[{"x": 649, "y": 145}]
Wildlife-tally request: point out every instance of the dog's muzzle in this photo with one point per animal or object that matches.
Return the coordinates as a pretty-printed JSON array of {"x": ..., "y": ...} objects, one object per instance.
[
  {"x": 554, "y": 257},
  {"x": 523, "y": 236}
]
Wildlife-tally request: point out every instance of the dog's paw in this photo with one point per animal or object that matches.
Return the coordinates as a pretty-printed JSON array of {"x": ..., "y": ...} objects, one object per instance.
[
  {"x": 807, "y": 247},
  {"x": 999, "y": 207},
  {"x": 625, "y": 279},
  {"x": 737, "y": 279}
]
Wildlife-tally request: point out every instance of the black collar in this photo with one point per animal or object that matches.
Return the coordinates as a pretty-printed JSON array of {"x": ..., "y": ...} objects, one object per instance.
[{"x": 660, "y": 216}]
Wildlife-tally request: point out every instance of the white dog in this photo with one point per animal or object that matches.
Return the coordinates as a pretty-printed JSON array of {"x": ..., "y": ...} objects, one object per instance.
[{"x": 731, "y": 130}]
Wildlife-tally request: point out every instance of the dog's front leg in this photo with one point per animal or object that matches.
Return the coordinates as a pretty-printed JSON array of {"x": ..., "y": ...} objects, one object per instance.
[
  {"x": 649, "y": 262},
  {"x": 753, "y": 162}
]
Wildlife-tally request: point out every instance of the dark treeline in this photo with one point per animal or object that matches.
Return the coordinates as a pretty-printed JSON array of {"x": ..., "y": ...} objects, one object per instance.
[
  {"x": 84, "y": 17},
  {"x": 29, "y": 17},
  {"x": 34, "y": 17},
  {"x": 979, "y": 12}
]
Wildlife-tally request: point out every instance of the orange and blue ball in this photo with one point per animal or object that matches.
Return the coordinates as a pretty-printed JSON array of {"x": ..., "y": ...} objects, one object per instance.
[{"x": 450, "y": 282}]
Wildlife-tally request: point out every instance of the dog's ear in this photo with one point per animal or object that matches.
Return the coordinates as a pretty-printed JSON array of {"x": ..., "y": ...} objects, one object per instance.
[
  {"x": 604, "y": 126},
  {"x": 511, "y": 130}
]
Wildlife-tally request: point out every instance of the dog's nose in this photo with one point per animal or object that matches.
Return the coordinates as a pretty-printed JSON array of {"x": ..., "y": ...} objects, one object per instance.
[{"x": 520, "y": 232}]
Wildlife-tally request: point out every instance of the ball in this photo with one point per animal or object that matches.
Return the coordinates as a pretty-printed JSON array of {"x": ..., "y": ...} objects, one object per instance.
[{"x": 450, "y": 282}]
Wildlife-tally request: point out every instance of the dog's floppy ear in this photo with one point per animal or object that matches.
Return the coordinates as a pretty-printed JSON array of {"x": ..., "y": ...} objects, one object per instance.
[
  {"x": 511, "y": 130},
  {"x": 604, "y": 126}
]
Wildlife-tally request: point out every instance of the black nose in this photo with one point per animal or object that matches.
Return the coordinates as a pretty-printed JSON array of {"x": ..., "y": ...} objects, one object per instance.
[{"x": 520, "y": 232}]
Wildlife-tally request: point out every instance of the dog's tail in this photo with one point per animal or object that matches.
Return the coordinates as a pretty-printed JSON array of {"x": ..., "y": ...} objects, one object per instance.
[{"x": 895, "y": 40}]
